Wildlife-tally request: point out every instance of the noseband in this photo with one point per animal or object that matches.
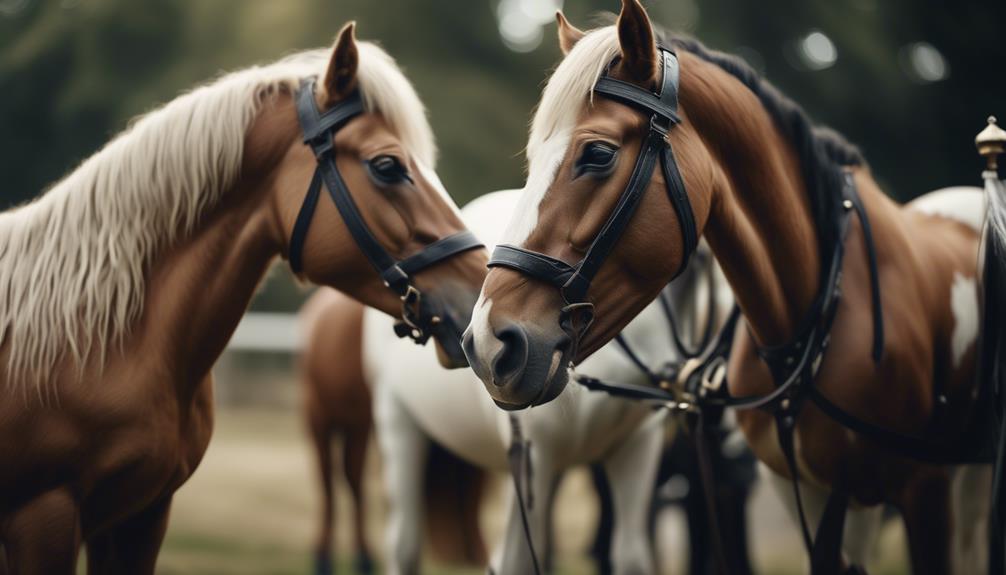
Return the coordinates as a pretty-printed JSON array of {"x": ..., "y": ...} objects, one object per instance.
[
  {"x": 573, "y": 281},
  {"x": 319, "y": 132}
]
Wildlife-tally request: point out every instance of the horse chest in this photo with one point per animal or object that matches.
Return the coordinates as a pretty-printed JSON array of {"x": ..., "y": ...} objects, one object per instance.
[{"x": 146, "y": 460}]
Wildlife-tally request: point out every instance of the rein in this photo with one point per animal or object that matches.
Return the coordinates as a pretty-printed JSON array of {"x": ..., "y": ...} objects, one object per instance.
[
  {"x": 519, "y": 458},
  {"x": 319, "y": 131}
]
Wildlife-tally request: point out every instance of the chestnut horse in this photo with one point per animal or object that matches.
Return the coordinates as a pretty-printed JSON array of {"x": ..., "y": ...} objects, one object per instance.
[
  {"x": 121, "y": 285},
  {"x": 338, "y": 405},
  {"x": 764, "y": 187}
]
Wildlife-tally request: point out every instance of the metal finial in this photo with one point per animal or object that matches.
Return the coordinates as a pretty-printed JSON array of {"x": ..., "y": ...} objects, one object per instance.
[{"x": 991, "y": 142}]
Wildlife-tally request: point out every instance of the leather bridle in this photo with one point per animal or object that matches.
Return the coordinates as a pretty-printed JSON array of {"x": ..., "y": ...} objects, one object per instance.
[
  {"x": 319, "y": 131},
  {"x": 573, "y": 281}
]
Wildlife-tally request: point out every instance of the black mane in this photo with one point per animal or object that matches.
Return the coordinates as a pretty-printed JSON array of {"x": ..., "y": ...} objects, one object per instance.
[{"x": 822, "y": 151}]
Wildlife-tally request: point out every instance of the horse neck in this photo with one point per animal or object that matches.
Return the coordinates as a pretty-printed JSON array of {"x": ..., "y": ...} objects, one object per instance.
[
  {"x": 198, "y": 291},
  {"x": 760, "y": 226}
]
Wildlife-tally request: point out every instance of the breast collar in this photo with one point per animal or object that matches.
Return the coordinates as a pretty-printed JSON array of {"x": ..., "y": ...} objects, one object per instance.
[
  {"x": 573, "y": 281},
  {"x": 319, "y": 131}
]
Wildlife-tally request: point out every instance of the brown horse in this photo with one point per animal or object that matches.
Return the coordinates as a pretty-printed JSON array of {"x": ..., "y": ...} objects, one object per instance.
[
  {"x": 762, "y": 185},
  {"x": 337, "y": 403},
  {"x": 120, "y": 287}
]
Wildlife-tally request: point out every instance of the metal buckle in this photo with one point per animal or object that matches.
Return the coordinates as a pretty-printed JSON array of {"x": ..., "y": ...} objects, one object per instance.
[
  {"x": 411, "y": 315},
  {"x": 658, "y": 129}
]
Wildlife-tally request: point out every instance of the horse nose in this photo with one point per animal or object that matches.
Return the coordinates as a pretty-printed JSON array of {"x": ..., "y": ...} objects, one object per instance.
[{"x": 511, "y": 361}]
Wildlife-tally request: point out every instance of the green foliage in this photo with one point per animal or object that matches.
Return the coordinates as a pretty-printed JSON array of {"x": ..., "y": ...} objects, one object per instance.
[{"x": 72, "y": 73}]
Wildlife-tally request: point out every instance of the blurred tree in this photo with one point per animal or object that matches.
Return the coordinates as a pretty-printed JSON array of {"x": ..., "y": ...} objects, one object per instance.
[{"x": 72, "y": 72}]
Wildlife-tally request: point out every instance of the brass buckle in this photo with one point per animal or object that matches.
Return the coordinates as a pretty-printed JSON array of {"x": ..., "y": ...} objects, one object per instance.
[{"x": 411, "y": 314}]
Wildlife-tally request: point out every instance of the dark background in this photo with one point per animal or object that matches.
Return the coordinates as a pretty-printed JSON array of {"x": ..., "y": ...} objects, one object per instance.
[{"x": 72, "y": 72}]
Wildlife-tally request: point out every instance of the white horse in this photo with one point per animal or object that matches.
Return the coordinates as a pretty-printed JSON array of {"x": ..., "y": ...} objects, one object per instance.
[{"x": 416, "y": 400}]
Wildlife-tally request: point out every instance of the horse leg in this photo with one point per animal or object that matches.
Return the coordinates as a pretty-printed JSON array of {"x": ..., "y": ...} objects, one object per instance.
[
  {"x": 925, "y": 509},
  {"x": 353, "y": 458},
  {"x": 972, "y": 485},
  {"x": 404, "y": 449},
  {"x": 630, "y": 467},
  {"x": 600, "y": 550},
  {"x": 513, "y": 556},
  {"x": 861, "y": 525},
  {"x": 321, "y": 436},
  {"x": 862, "y": 530},
  {"x": 43, "y": 536},
  {"x": 131, "y": 546}
]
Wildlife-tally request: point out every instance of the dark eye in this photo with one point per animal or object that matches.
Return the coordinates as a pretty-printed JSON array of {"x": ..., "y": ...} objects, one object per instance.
[
  {"x": 388, "y": 170},
  {"x": 597, "y": 158}
]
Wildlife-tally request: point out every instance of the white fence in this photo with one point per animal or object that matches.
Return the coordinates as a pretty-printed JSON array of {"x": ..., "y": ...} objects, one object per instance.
[{"x": 266, "y": 332}]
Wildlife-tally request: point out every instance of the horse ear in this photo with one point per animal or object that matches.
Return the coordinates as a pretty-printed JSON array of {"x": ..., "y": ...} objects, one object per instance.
[
  {"x": 569, "y": 34},
  {"x": 340, "y": 79},
  {"x": 639, "y": 49}
]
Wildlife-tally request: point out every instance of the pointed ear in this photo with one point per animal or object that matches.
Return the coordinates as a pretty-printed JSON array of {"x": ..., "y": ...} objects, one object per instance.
[
  {"x": 569, "y": 34},
  {"x": 639, "y": 48},
  {"x": 340, "y": 79}
]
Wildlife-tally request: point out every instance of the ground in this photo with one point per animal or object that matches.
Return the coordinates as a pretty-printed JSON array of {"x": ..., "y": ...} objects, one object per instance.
[{"x": 251, "y": 509}]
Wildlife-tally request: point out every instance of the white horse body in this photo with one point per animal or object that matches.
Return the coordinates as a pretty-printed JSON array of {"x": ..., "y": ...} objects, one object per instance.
[{"x": 416, "y": 399}]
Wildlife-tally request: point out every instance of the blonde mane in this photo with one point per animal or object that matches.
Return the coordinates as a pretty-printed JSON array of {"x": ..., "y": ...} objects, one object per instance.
[
  {"x": 571, "y": 87},
  {"x": 73, "y": 263},
  {"x": 564, "y": 97}
]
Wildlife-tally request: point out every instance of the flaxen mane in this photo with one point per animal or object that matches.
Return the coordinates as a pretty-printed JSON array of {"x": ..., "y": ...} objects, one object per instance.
[{"x": 73, "y": 263}]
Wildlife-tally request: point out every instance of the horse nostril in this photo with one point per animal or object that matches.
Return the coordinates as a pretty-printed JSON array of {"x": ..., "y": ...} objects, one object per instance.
[{"x": 511, "y": 360}]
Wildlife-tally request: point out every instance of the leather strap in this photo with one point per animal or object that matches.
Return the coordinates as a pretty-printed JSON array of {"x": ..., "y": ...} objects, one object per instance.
[
  {"x": 439, "y": 251},
  {"x": 519, "y": 458},
  {"x": 299, "y": 235},
  {"x": 700, "y": 429},
  {"x": 536, "y": 265}
]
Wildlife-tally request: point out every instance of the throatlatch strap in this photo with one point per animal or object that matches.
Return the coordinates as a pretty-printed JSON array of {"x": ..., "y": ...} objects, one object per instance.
[
  {"x": 303, "y": 223},
  {"x": 679, "y": 201}
]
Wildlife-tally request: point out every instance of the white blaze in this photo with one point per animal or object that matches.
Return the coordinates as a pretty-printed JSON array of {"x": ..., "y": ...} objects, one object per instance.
[{"x": 541, "y": 174}]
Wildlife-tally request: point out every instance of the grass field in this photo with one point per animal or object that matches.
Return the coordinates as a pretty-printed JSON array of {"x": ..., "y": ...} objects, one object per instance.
[{"x": 251, "y": 509}]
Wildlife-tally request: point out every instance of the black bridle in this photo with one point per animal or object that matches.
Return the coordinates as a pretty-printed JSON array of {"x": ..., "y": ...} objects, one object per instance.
[
  {"x": 319, "y": 132},
  {"x": 573, "y": 281}
]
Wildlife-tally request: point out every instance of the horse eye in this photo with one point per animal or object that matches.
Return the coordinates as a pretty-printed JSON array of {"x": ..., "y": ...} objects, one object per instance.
[
  {"x": 388, "y": 170},
  {"x": 597, "y": 158}
]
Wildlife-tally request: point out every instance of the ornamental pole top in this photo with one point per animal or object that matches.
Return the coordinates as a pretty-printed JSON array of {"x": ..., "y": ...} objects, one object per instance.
[{"x": 991, "y": 142}]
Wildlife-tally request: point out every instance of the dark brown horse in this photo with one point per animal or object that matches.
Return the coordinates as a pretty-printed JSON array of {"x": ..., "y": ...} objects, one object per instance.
[
  {"x": 764, "y": 187},
  {"x": 337, "y": 404},
  {"x": 121, "y": 285}
]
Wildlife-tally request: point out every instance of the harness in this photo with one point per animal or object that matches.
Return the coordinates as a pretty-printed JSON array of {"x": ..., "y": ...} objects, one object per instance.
[
  {"x": 319, "y": 131},
  {"x": 699, "y": 388}
]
